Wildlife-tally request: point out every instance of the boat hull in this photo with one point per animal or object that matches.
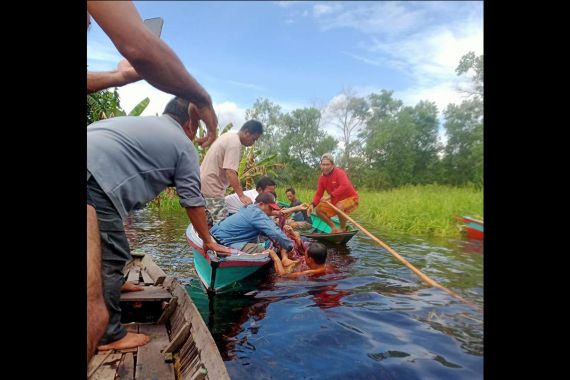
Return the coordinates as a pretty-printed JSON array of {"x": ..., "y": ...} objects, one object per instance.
[
  {"x": 218, "y": 273},
  {"x": 321, "y": 232}
]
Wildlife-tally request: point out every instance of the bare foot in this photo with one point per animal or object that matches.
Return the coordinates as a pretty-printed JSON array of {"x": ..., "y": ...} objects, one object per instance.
[
  {"x": 131, "y": 340},
  {"x": 130, "y": 287}
]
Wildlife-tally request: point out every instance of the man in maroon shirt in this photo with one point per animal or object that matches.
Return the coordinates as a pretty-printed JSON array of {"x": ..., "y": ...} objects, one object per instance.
[{"x": 342, "y": 194}]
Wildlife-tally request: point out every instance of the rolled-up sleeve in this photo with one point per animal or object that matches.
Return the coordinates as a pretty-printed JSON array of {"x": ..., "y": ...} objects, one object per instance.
[{"x": 187, "y": 179}]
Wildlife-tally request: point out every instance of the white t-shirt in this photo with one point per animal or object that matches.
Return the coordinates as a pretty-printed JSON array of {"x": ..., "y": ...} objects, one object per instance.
[
  {"x": 224, "y": 154},
  {"x": 233, "y": 204}
]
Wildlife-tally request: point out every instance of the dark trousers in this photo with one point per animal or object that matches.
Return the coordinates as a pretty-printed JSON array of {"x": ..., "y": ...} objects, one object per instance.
[{"x": 115, "y": 254}]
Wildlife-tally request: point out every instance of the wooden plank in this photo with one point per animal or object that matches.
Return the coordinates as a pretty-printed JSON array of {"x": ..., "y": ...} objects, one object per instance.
[
  {"x": 149, "y": 293},
  {"x": 96, "y": 361},
  {"x": 126, "y": 369},
  {"x": 200, "y": 374},
  {"x": 153, "y": 270},
  {"x": 134, "y": 275},
  {"x": 178, "y": 339},
  {"x": 209, "y": 354},
  {"x": 150, "y": 361},
  {"x": 132, "y": 327},
  {"x": 167, "y": 312},
  {"x": 108, "y": 369},
  {"x": 146, "y": 278}
]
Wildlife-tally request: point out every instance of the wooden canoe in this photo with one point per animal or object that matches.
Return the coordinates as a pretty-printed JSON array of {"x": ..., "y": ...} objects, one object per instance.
[
  {"x": 218, "y": 273},
  {"x": 321, "y": 231},
  {"x": 181, "y": 346}
]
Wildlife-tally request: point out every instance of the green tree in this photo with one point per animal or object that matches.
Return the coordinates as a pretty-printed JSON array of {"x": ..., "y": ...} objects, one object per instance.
[
  {"x": 302, "y": 145},
  {"x": 472, "y": 63},
  {"x": 349, "y": 114},
  {"x": 270, "y": 115},
  {"x": 463, "y": 160},
  {"x": 427, "y": 146}
]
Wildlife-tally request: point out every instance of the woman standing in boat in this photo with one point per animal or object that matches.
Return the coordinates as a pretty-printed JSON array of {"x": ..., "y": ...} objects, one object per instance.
[{"x": 342, "y": 194}]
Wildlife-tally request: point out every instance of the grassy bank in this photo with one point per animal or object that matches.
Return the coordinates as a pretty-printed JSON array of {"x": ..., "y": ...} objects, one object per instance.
[{"x": 417, "y": 210}]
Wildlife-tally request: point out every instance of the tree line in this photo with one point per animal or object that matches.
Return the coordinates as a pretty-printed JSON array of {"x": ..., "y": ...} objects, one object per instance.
[{"x": 382, "y": 143}]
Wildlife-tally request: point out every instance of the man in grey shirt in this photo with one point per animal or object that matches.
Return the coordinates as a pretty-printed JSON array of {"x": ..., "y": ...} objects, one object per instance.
[{"x": 130, "y": 160}]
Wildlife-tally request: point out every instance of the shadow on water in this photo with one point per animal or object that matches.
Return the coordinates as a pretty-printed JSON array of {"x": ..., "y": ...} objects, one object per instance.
[{"x": 372, "y": 319}]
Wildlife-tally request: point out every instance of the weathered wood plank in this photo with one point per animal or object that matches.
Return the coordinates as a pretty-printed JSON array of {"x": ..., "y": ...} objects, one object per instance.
[
  {"x": 209, "y": 353},
  {"x": 153, "y": 270},
  {"x": 96, "y": 361},
  {"x": 146, "y": 278},
  {"x": 150, "y": 361},
  {"x": 134, "y": 275},
  {"x": 108, "y": 369},
  {"x": 167, "y": 312},
  {"x": 178, "y": 339},
  {"x": 149, "y": 293},
  {"x": 126, "y": 368}
]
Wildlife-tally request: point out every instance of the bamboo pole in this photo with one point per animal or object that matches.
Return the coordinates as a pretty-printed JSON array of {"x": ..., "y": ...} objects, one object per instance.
[{"x": 425, "y": 278}]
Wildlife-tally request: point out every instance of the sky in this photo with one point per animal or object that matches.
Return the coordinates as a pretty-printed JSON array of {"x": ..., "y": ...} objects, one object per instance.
[{"x": 301, "y": 53}]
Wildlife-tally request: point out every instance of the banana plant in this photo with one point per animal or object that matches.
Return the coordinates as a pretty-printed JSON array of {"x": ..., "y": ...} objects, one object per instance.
[{"x": 106, "y": 104}]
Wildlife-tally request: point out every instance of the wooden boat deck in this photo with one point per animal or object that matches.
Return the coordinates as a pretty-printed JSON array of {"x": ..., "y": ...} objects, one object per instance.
[{"x": 180, "y": 347}]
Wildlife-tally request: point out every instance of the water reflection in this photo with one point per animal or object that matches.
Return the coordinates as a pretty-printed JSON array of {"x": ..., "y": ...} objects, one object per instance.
[{"x": 373, "y": 311}]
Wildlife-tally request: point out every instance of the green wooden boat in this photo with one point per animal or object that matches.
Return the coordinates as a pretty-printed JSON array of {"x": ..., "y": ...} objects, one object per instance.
[{"x": 322, "y": 231}]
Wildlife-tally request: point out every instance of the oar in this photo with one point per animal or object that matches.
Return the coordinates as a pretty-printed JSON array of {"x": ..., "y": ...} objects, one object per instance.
[{"x": 425, "y": 278}]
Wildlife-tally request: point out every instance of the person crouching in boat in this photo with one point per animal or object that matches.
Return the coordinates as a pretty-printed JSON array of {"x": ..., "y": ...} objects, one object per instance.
[
  {"x": 312, "y": 264},
  {"x": 250, "y": 225},
  {"x": 342, "y": 194}
]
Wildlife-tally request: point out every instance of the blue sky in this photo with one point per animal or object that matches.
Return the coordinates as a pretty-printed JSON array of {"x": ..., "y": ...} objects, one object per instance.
[{"x": 300, "y": 54}]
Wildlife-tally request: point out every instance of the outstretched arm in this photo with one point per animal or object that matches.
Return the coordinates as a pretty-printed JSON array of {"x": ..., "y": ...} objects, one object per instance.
[
  {"x": 277, "y": 263},
  {"x": 234, "y": 183},
  {"x": 197, "y": 216},
  {"x": 152, "y": 59},
  {"x": 124, "y": 74}
]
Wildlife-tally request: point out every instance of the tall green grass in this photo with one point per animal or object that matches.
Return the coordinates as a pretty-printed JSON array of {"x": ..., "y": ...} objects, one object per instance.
[{"x": 417, "y": 210}]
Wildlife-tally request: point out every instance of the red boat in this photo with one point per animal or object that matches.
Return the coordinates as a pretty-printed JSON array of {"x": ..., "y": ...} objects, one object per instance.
[{"x": 473, "y": 227}]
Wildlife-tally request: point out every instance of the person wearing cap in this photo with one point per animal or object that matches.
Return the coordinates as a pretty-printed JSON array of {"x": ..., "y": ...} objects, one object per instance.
[
  {"x": 250, "y": 224},
  {"x": 342, "y": 194}
]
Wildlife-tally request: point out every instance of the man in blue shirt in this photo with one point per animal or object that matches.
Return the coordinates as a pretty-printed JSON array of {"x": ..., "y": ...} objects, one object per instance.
[{"x": 250, "y": 223}]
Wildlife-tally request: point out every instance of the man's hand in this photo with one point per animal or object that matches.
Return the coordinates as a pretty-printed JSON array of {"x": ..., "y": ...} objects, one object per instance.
[
  {"x": 310, "y": 209},
  {"x": 219, "y": 249},
  {"x": 127, "y": 72},
  {"x": 208, "y": 116},
  {"x": 245, "y": 199}
]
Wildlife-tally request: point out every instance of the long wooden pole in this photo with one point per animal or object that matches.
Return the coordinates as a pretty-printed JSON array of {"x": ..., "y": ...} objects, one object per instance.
[{"x": 425, "y": 278}]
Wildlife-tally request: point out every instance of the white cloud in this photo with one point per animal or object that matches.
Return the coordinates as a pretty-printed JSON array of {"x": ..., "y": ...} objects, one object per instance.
[
  {"x": 102, "y": 56},
  {"x": 287, "y": 4},
  {"x": 133, "y": 93},
  {"x": 323, "y": 9},
  {"x": 375, "y": 17},
  {"x": 229, "y": 112},
  {"x": 246, "y": 85}
]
